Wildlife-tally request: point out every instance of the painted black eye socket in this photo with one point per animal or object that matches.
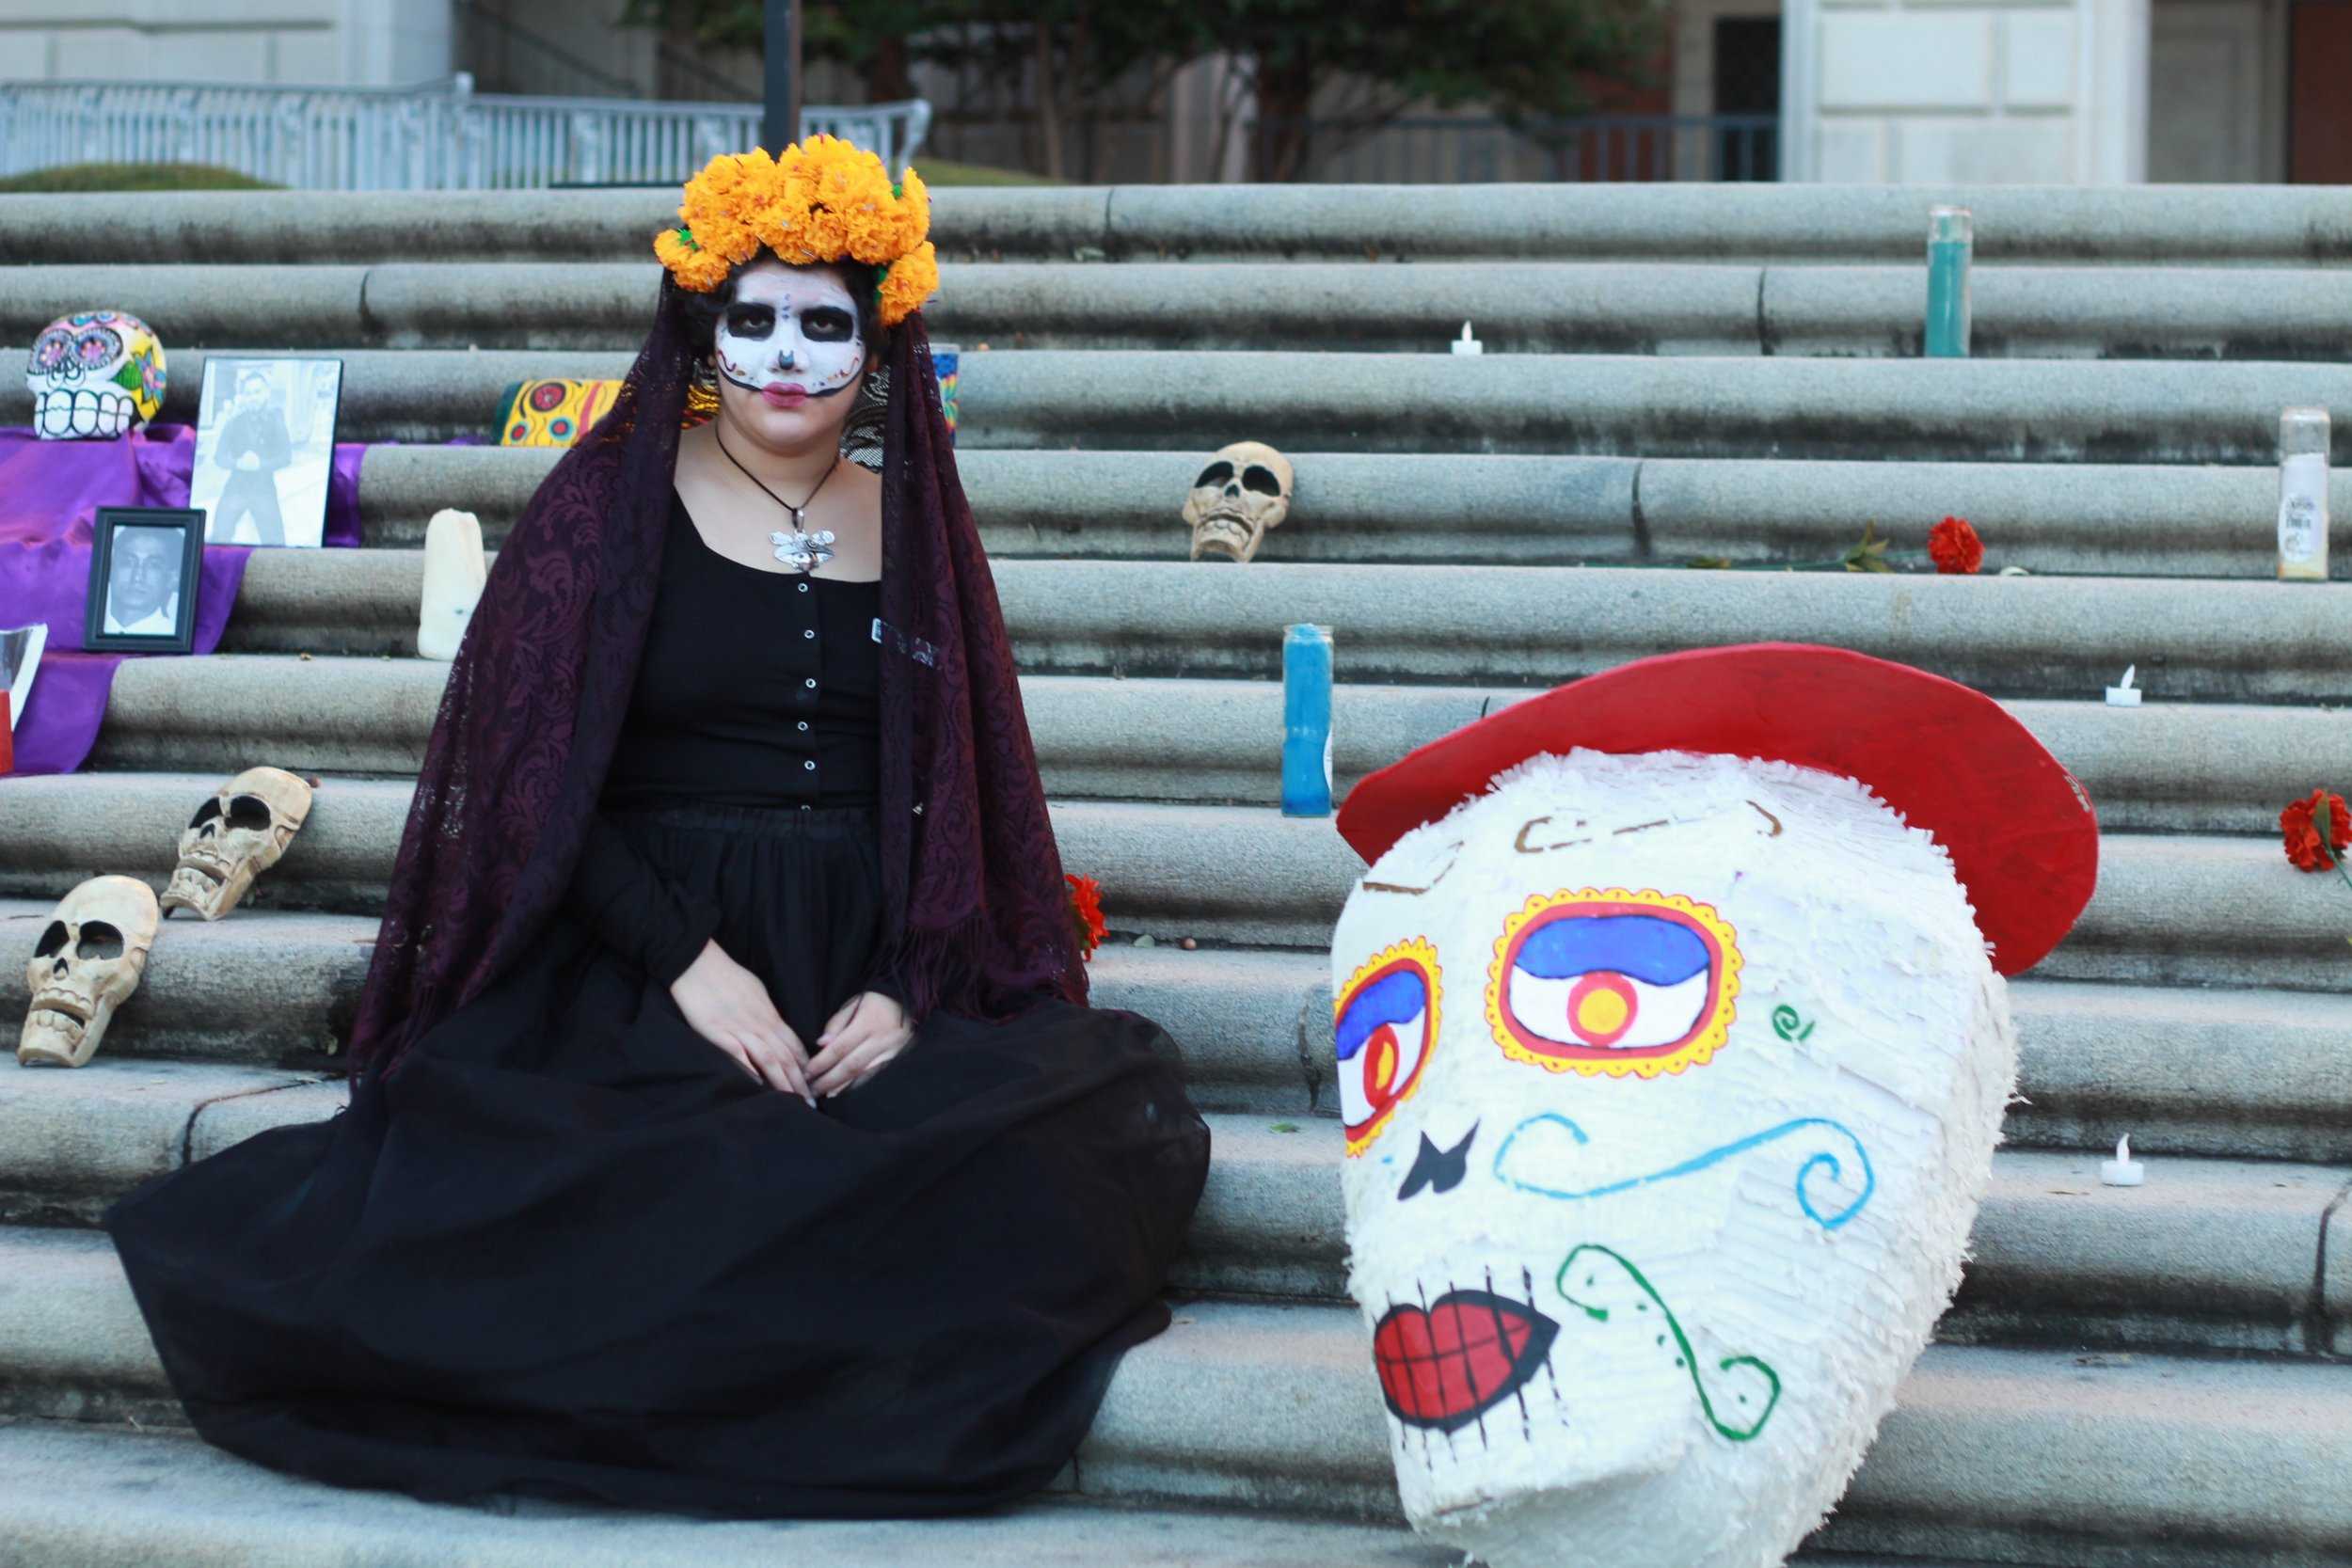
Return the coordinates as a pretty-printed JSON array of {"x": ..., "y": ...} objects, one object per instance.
[
  {"x": 99, "y": 941},
  {"x": 829, "y": 324},
  {"x": 751, "y": 321},
  {"x": 52, "y": 941},
  {"x": 248, "y": 811},
  {"x": 1260, "y": 478},
  {"x": 1214, "y": 477},
  {"x": 204, "y": 814}
]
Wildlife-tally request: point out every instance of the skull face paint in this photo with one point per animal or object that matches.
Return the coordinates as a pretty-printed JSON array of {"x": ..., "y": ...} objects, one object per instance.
[
  {"x": 86, "y": 963},
  {"x": 790, "y": 333},
  {"x": 94, "y": 374},
  {"x": 235, "y": 834},
  {"x": 1728, "y": 1060}
]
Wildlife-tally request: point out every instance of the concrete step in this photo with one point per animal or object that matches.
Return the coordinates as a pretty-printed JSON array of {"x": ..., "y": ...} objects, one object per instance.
[
  {"x": 1975, "y": 410},
  {"x": 2216, "y": 224},
  {"x": 1524, "y": 627},
  {"x": 88, "y": 1497},
  {"x": 2219, "y": 1073},
  {"x": 2170, "y": 909},
  {"x": 2074, "y": 1459},
  {"x": 1535, "y": 307},
  {"x": 2176, "y": 767},
  {"x": 2215, "y": 1255},
  {"x": 2112, "y": 519}
]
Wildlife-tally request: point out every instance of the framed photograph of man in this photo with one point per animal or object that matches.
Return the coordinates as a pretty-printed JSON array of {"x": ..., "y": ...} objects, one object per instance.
[
  {"x": 264, "y": 449},
  {"x": 143, "y": 566}
]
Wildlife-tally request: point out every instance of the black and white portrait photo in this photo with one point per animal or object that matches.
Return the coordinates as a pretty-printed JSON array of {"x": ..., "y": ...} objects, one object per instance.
[
  {"x": 144, "y": 562},
  {"x": 264, "y": 449}
]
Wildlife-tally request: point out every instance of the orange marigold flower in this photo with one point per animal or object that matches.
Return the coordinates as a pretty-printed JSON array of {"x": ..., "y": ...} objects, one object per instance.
[
  {"x": 2315, "y": 842},
  {"x": 912, "y": 279},
  {"x": 1086, "y": 913},
  {"x": 1955, "y": 548}
]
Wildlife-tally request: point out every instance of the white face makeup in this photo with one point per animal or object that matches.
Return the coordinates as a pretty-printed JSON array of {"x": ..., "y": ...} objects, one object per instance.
[
  {"x": 790, "y": 333},
  {"x": 1670, "y": 1085}
]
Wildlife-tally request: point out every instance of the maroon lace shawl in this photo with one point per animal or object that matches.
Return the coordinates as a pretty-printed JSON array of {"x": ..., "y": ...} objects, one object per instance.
[{"x": 533, "y": 712}]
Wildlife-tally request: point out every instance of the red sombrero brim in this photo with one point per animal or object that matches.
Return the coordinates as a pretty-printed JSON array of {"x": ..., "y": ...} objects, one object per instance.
[{"x": 2020, "y": 832}]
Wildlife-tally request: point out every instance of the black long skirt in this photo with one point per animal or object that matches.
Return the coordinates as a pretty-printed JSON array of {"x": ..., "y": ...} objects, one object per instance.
[{"x": 571, "y": 1249}]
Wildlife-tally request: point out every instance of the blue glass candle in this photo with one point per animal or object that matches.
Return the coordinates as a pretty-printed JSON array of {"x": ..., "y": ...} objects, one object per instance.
[
  {"x": 1951, "y": 244},
  {"x": 1306, "y": 722}
]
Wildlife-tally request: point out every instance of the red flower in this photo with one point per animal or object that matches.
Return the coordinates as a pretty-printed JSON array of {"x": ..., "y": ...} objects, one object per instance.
[
  {"x": 2307, "y": 846},
  {"x": 1955, "y": 548},
  {"x": 1086, "y": 913}
]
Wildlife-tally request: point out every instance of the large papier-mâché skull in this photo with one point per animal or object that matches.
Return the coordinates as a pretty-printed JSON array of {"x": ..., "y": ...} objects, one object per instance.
[
  {"x": 1670, "y": 1086},
  {"x": 1244, "y": 491},
  {"x": 95, "y": 373},
  {"x": 237, "y": 833},
  {"x": 86, "y": 963}
]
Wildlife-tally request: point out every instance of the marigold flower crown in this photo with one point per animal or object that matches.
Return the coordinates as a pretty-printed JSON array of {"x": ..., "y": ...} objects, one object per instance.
[{"x": 822, "y": 199}]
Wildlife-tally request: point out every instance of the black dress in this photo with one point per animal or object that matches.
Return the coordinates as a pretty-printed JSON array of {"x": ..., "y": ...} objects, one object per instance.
[{"x": 572, "y": 1249}]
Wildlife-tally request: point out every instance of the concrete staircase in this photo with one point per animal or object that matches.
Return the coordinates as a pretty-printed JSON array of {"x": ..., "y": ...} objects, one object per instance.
[{"x": 2155, "y": 1377}]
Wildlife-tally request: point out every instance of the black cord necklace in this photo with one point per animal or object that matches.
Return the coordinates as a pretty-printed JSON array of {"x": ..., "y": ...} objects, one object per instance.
[{"x": 796, "y": 547}]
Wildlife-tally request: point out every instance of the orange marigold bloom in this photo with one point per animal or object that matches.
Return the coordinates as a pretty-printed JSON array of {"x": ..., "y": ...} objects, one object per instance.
[
  {"x": 822, "y": 199},
  {"x": 1955, "y": 548},
  {"x": 2314, "y": 842}
]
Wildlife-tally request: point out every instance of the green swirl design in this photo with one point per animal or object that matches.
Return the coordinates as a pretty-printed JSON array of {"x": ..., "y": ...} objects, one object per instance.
[{"x": 1689, "y": 1360}]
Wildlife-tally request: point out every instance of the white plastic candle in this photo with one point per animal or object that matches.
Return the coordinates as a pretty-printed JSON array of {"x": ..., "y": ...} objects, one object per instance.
[
  {"x": 2126, "y": 695},
  {"x": 2123, "y": 1171},
  {"x": 1467, "y": 344},
  {"x": 454, "y": 570}
]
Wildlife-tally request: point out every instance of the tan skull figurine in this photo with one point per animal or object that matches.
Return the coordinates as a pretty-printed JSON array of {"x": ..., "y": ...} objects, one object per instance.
[
  {"x": 87, "y": 964},
  {"x": 235, "y": 835},
  {"x": 1244, "y": 491}
]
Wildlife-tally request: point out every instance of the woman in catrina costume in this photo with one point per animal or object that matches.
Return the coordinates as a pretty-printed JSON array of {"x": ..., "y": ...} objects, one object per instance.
[{"x": 729, "y": 1131}]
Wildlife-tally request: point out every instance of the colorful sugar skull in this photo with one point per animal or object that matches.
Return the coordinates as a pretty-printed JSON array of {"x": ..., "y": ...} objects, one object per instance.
[
  {"x": 1671, "y": 1084},
  {"x": 95, "y": 373}
]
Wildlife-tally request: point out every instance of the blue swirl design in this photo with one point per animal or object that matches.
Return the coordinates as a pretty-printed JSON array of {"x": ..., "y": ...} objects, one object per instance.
[{"x": 1823, "y": 1164}]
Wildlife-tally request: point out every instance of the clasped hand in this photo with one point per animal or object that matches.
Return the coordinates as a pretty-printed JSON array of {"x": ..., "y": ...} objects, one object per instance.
[{"x": 728, "y": 1005}]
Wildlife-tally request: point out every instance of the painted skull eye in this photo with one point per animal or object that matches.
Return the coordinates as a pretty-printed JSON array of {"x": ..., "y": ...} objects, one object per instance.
[
  {"x": 1613, "y": 982},
  {"x": 96, "y": 346},
  {"x": 1215, "y": 477},
  {"x": 1261, "y": 479},
  {"x": 829, "y": 324},
  {"x": 751, "y": 321},
  {"x": 53, "y": 349},
  {"x": 250, "y": 812},
  {"x": 1386, "y": 1019}
]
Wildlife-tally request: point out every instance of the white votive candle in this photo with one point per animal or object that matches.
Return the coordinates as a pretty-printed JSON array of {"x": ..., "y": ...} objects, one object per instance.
[
  {"x": 1467, "y": 344},
  {"x": 2126, "y": 695},
  {"x": 2123, "y": 1171}
]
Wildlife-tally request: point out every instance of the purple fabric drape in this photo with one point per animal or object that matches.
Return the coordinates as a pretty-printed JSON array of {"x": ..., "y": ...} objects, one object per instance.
[
  {"x": 50, "y": 493},
  {"x": 532, "y": 709}
]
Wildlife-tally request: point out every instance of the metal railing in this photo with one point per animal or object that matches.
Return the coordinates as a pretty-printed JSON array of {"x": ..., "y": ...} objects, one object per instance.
[
  {"x": 440, "y": 135},
  {"x": 1439, "y": 150}
]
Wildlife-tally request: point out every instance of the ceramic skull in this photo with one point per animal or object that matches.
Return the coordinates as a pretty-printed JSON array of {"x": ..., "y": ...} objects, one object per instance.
[
  {"x": 95, "y": 373},
  {"x": 1244, "y": 491},
  {"x": 1671, "y": 1084},
  {"x": 86, "y": 963},
  {"x": 238, "y": 833}
]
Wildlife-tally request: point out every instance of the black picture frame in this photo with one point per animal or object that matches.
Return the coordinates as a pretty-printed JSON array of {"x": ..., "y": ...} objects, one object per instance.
[{"x": 105, "y": 539}]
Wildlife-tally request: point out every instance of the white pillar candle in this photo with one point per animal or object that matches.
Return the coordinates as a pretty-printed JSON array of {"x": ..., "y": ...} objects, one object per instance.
[{"x": 455, "y": 569}]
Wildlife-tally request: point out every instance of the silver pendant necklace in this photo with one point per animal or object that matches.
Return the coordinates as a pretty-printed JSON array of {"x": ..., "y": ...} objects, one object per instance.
[{"x": 795, "y": 547}]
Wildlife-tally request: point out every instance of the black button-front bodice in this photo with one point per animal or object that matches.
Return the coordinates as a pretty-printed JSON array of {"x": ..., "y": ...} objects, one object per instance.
[{"x": 757, "y": 687}]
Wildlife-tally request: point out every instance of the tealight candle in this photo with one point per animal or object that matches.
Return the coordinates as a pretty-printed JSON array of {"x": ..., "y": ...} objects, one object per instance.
[
  {"x": 2123, "y": 1171},
  {"x": 1466, "y": 344},
  {"x": 2126, "y": 695}
]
